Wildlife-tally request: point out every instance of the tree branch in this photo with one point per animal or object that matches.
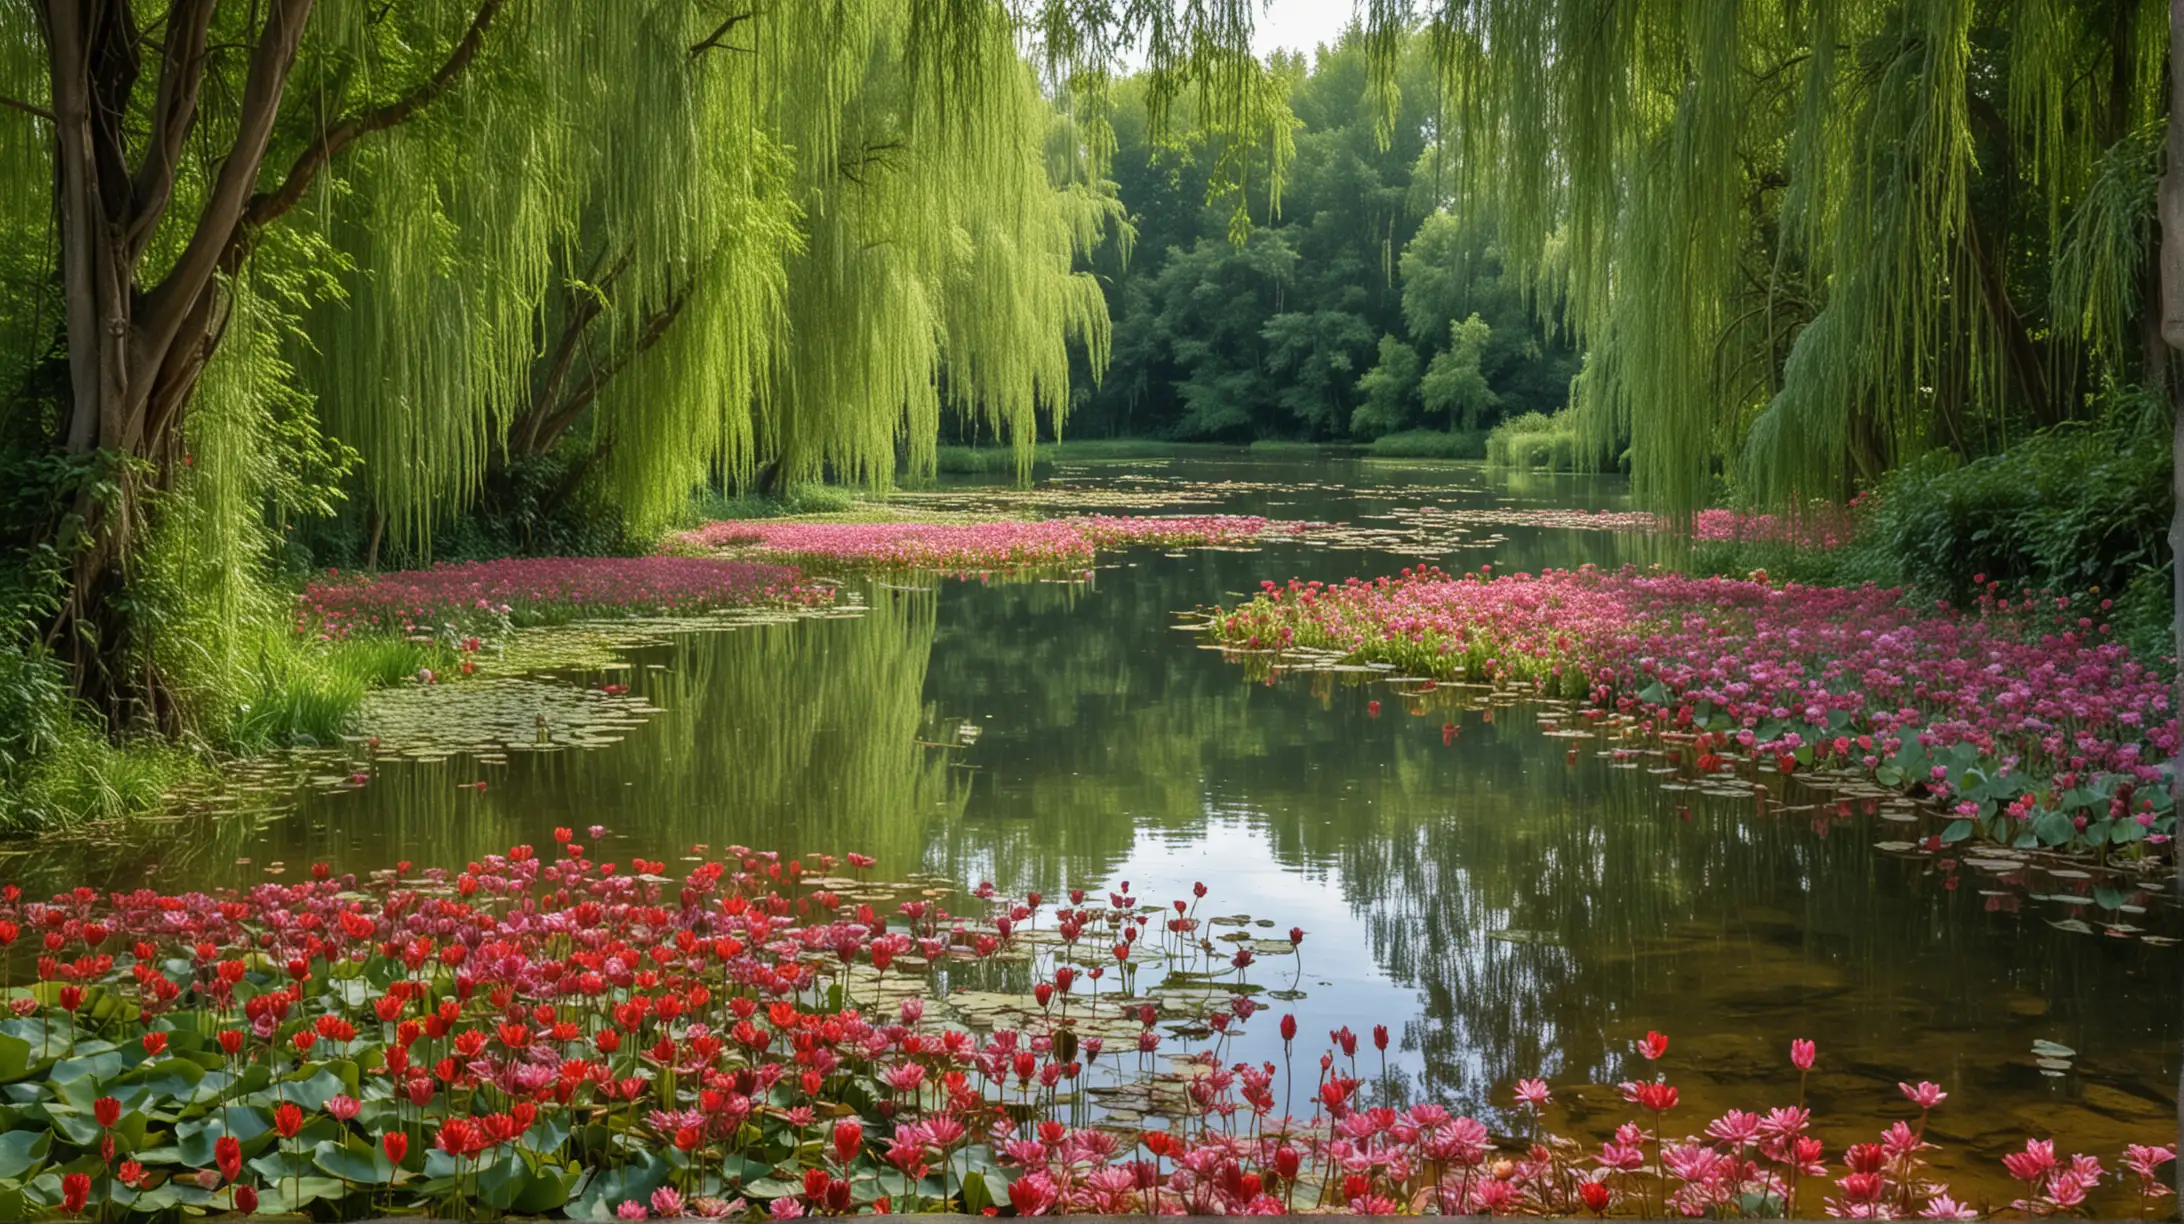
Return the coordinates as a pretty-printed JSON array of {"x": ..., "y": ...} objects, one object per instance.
[
  {"x": 721, "y": 32},
  {"x": 25, "y": 107},
  {"x": 267, "y": 205},
  {"x": 583, "y": 308},
  {"x": 174, "y": 113},
  {"x": 218, "y": 223},
  {"x": 598, "y": 377}
]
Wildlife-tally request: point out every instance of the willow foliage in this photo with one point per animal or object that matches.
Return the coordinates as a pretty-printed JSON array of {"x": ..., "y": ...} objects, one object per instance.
[
  {"x": 774, "y": 241},
  {"x": 785, "y": 235},
  {"x": 1805, "y": 242}
]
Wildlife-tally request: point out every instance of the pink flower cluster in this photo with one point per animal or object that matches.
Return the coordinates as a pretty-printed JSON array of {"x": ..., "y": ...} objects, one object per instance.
[
  {"x": 531, "y": 589},
  {"x": 2018, "y": 717},
  {"x": 1822, "y": 528},
  {"x": 961, "y": 547}
]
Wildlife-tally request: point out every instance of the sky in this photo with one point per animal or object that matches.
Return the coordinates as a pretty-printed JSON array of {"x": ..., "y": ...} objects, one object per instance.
[{"x": 1299, "y": 25}]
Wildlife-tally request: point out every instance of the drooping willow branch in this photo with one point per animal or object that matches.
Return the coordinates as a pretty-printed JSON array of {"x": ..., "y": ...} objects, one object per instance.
[{"x": 267, "y": 205}]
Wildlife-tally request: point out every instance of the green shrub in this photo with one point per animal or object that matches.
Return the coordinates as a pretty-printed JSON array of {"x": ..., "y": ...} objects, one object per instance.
[
  {"x": 2076, "y": 508},
  {"x": 1429, "y": 444},
  {"x": 801, "y": 499},
  {"x": 1001, "y": 461},
  {"x": 34, "y": 707},
  {"x": 1535, "y": 440}
]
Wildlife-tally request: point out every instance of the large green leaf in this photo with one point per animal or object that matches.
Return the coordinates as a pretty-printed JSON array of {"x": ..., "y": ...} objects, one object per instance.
[
  {"x": 17, "y": 1056},
  {"x": 293, "y": 1194},
  {"x": 543, "y": 1192},
  {"x": 196, "y": 1139},
  {"x": 2053, "y": 828},
  {"x": 984, "y": 1189},
  {"x": 21, "y": 1151},
  {"x": 610, "y": 1189},
  {"x": 353, "y": 1160},
  {"x": 99, "y": 1067},
  {"x": 170, "y": 1086},
  {"x": 498, "y": 1182}
]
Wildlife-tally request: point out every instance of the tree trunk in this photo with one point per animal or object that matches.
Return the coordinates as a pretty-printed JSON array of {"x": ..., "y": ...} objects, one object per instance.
[
  {"x": 2172, "y": 330},
  {"x": 2021, "y": 360},
  {"x": 134, "y": 354},
  {"x": 136, "y": 351}
]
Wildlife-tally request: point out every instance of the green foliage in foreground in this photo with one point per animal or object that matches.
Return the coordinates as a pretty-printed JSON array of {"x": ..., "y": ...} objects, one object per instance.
[{"x": 58, "y": 769}]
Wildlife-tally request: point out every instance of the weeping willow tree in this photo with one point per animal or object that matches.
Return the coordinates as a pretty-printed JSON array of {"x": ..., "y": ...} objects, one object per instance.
[
  {"x": 688, "y": 238},
  {"x": 1805, "y": 242}
]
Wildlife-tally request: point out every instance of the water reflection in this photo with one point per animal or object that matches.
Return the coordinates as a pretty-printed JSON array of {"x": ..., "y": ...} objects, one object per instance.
[{"x": 1508, "y": 906}]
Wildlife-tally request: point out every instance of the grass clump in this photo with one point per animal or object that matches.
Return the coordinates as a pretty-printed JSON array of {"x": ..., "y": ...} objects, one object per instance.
[
  {"x": 1429, "y": 444},
  {"x": 56, "y": 769},
  {"x": 1535, "y": 440}
]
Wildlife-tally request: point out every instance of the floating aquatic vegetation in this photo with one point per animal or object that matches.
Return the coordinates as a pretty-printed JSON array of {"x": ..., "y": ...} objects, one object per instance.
[
  {"x": 480, "y": 596},
  {"x": 965, "y": 547},
  {"x": 2018, "y": 720},
  {"x": 500, "y": 713}
]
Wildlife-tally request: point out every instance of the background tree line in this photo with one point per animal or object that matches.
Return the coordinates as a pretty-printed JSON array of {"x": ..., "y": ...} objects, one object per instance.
[{"x": 1358, "y": 305}]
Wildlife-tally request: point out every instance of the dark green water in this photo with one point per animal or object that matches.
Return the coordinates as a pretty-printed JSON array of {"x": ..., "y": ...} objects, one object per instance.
[{"x": 1507, "y": 906}]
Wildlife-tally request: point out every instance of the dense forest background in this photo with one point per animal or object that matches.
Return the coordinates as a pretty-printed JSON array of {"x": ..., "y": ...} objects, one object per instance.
[{"x": 1358, "y": 305}]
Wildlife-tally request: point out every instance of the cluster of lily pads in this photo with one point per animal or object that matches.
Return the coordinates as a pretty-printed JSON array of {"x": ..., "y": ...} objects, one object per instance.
[
  {"x": 488, "y": 597},
  {"x": 2020, "y": 720},
  {"x": 978, "y": 546},
  {"x": 547, "y": 1033}
]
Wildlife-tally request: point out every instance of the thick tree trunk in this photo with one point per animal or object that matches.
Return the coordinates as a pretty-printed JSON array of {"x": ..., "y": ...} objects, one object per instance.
[
  {"x": 135, "y": 354},
  {"x": 2172, "y": 330},
  {"x": 136, "y": 351}
]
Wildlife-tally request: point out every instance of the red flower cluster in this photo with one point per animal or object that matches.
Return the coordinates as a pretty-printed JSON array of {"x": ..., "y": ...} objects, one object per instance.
[{"x": 532, "y": 1034}]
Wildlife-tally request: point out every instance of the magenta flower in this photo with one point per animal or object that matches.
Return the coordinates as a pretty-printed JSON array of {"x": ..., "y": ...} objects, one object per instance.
[
  {"x": 972, "y": 547},
  {"x": 1924, "y": 1095}
]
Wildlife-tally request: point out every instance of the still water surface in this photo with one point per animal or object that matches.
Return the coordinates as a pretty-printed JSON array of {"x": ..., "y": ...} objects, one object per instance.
[{"x": 1507, "y": 906}]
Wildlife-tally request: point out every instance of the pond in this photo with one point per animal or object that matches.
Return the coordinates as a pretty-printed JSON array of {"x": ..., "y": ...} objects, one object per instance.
[{"x": 1507, "y": 902}]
